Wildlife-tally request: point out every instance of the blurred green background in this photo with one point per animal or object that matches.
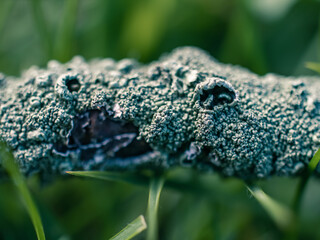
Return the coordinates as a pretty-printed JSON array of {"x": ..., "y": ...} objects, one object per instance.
[{"x": 263, "y": 35}]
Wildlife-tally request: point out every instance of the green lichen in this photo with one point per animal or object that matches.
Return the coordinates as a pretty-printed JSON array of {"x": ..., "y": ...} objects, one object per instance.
[{"x": 192, "y": 110}]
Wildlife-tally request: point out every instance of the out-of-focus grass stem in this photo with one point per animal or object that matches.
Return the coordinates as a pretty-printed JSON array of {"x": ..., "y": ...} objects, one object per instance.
[
  {"x": 40, "y": 23},
  {"x": 5, "y": 10},
  {"x": 304, "y": 180},
  {"x": 11, "y": 167},
  {"x": 156, "y": 185},
  {"x": 280, "y": 214},
  {"x": 134, "y": 228},
  {"x": 65, "y": 33}
]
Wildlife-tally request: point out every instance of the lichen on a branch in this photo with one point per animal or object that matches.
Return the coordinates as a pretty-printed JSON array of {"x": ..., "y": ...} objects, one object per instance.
[{"x": 186, "y": 109}]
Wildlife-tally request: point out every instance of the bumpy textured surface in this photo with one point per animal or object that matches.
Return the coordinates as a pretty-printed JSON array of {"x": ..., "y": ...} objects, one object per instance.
[{"x": 186, "y": 109}]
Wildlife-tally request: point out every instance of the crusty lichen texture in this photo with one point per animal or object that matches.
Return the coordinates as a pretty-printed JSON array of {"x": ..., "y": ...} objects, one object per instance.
[{"x": 186, "y": 109}]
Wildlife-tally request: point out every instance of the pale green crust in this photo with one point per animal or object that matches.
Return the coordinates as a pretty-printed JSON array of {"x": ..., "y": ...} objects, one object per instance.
[{"x": 270, "y": 128}]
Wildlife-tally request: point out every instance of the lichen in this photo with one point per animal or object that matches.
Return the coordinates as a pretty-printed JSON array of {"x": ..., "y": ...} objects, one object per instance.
[{"x": 186, "y": 109}]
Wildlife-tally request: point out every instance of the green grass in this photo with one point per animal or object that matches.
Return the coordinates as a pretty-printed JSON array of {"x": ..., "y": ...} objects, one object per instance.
[
  {"x": 41, "y": 27},
  {"x": 313, "y": 66},
  {"x": 11, "y": 167},
  {"x": 111, "y": 176},
  {"x": 285, "y": 217},
  {"x": 304, "y": 180},
  {"x": 281, "y": 215},
  {"x": 133, "y": 229},
  {"x": 156, "y": 185}
]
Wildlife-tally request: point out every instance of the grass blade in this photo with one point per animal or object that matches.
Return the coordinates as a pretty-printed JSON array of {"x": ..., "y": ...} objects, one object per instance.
[
  {"x": 313, "y": 66},
  {"x": 120, "y": 177},
  {"x": 304, "y": 180},
  {"x": 156, "y": 185},
  {"x": 180, "y": 183},
  {"x": 65, "y": 34},
  {"x": 132, "y": 229},
  {"x": 315, "y": 160},
  {"x": 41, "y": 25},
  {"x": 5, "y": 10},
  {"x": 10, "y": 165},
  {"x": 281, "y": 215}
]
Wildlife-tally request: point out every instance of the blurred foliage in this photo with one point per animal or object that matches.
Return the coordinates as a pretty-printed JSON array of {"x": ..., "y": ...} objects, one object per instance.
[{"x": 263, "y": 35}]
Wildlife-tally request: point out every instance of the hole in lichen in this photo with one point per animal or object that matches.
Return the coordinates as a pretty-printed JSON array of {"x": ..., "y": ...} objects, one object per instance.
[
  {"x": 218, "y": 95},
  {"x": 96, "y": 133},
  {"x": 73, "y": 85}
]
